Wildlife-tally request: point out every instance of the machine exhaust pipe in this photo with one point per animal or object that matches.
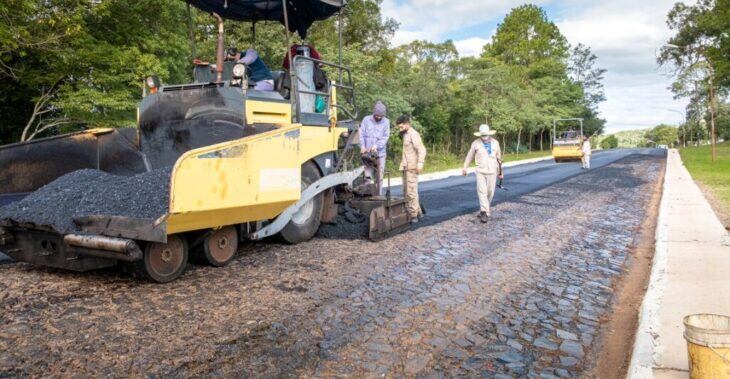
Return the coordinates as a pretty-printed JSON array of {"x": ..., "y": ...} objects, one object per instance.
[
  {"x": 127, "y": 249},
  {"x": 219, "y": 49}
]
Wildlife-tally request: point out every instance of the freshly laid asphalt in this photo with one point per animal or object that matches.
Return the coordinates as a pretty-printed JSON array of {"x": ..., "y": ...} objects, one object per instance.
[{"x": 453, "y": 196}]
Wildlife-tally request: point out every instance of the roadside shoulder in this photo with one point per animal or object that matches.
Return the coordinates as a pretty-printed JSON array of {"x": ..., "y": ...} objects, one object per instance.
[{"x": 689, "y": 245}]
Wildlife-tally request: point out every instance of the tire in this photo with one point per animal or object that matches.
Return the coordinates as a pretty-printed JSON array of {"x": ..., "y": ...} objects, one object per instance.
[
  {"x": 305, "y": 223},
  {"x": 164, "y": 262},
  {"x": 219, "y": 248}
]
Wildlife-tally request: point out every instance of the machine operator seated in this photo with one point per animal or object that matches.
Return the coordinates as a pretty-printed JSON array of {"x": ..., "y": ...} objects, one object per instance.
[
  {"x": 569, "y": 135},
  {"x": 258, "y": 72}
]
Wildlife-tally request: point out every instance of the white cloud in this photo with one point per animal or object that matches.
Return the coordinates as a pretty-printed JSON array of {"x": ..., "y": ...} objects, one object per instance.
[
  {"x": 435, "y": 19},
  {"x": 625, "y": 35},
  {"x": 470, "y": 47}
]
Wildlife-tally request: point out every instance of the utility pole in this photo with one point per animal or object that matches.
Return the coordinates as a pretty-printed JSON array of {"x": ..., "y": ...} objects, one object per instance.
[{"x": 712, "y": 111}]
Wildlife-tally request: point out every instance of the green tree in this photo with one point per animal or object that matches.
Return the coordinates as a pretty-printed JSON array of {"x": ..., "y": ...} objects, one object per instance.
[
  {"x": 81, "y": 63},
  {"x": 700, "y": 51},
  {"x": 70, "y": 64},
  {"x": 610, "y": 142},
  {"x": 700, "y": 34},
  {"x": 584, "y": 70},
  {"x": 539, "y": 55},
  {"x": 526, "y": 36},
  {"x": 34, "y": 52},
  {"x": 662, "y": 135}
]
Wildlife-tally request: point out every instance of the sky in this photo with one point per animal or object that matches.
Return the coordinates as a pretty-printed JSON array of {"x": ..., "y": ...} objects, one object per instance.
[{"x": 625, "y": 35}]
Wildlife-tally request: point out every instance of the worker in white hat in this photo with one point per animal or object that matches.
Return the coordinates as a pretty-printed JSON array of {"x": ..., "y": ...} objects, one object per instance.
[
  {"x": 585, "y": 148},
  {"x": 488, "y": 156}
]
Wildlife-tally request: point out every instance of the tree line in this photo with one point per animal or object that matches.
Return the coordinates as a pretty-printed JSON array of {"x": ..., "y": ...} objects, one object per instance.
[
  {"x": 699, "y": 53},
  {"x": 72, "y": 64}
]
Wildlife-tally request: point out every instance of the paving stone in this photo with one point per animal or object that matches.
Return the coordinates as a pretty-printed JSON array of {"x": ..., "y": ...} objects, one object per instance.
[
  {"x": 563, "y": 373},
  {"x": 416, "y": 364},
  {"x": 565, "y": 335},
  {"x": 456, "y": 353},
  {"x": 572, "y": 348},
  {"x": 510, "y": 356},
  {"x": 514, "y": 344},
  {"x": 568, "y": 361},
  {"x": 505, "y": 331},
  {"x": 545, "y": 343},
  {"x": 476, "y": 339}
]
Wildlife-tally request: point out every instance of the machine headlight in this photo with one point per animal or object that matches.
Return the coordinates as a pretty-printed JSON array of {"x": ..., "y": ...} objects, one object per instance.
[{"x": 239, "y": 70}]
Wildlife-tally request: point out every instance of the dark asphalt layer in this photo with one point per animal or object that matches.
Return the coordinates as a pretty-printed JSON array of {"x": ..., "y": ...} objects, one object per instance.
[{"x": 456, "y": 195}]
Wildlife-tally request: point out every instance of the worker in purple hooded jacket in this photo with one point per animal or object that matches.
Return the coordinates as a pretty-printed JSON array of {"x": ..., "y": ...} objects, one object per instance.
[{"x": 374, "y": 134}]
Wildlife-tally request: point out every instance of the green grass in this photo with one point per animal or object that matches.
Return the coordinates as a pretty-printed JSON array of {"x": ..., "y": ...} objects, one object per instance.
[
  {"x": 436, "y": 162},
  {"x": 715, "y": 176}
]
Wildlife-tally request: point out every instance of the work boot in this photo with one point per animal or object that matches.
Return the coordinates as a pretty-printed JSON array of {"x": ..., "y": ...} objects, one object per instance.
[{"x": 483, "y": 217}]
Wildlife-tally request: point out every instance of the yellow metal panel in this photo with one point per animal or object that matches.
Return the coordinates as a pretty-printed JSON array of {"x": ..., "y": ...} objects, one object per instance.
[
  {"x": 249, "y": 179},
  {"x": 317, "y": 140},
  {"x": 268, "y": 112},
  {"x": 567, "y": 152},
  {"x": 184, "y": 222}
]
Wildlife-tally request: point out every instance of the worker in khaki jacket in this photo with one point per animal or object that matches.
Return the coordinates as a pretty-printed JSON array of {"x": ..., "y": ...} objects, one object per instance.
[
  {"x": 485, "y": 150},
  {"x": 411, "y": 164},
  {"x": 586, "y": 152}
]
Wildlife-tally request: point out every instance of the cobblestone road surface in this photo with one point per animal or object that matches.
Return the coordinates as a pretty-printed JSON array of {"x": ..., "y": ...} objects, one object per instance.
[{"x": 526, "y": 295}]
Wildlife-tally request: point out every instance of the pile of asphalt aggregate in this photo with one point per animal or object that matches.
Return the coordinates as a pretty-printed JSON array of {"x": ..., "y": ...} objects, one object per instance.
[
  {"x": 91, "y": 192},
  {"x": 349, "y": 224}
]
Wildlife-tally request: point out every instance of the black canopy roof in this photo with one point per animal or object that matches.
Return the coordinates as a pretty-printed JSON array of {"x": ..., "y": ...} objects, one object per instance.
[{"x": 301, "y": 13}]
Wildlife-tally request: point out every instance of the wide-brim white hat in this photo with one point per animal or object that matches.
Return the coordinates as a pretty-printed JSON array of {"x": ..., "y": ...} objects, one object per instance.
[{"x": 485, "y": 130}]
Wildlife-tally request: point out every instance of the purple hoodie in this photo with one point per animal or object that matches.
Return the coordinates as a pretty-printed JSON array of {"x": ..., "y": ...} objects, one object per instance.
[{"x": 373, "y": 133}]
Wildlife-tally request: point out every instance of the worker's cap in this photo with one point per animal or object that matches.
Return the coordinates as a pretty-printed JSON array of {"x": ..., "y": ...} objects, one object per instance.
[
  {"x": 484, "y": 130},
  {"x": 379, "y": 109}
]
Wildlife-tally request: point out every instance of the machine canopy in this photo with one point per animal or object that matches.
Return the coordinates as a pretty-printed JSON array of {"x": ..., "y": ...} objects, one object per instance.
[{"x": 301, "y": 13}]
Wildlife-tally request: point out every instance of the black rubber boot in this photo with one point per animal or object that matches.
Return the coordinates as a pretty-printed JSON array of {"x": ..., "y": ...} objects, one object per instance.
[{"x": 483, "y": 217}]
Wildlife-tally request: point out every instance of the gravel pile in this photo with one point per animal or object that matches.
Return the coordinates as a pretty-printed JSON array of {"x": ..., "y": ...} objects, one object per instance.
[
  {"x": 93, "y": 192},
  {"x": 349, "y": 224}
]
